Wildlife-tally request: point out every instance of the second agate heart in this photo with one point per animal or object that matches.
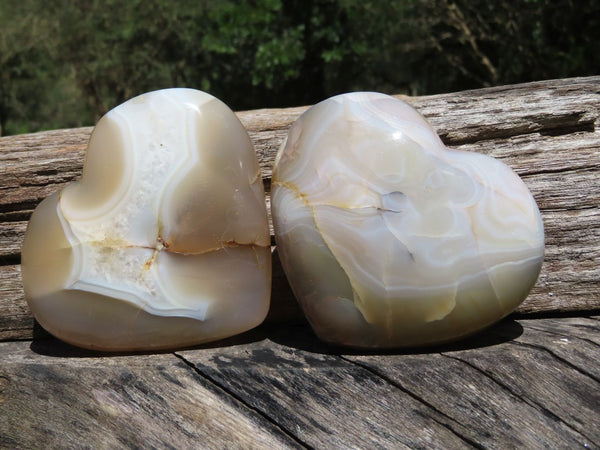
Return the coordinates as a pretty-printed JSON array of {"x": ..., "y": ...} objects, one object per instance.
[
  {"x": 164, "y": 242},
  {"x": 390, "y": 239}
]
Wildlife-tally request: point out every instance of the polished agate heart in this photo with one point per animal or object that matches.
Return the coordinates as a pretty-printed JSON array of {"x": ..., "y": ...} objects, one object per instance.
[
  {"x": 164, "y": 242},
  {"x": 390, "y": 239}
]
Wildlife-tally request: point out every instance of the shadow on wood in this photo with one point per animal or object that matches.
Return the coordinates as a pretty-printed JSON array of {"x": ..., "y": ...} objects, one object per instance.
[
  {"x": 294, "y": 336},
  {"x": 302, "y": 337}
]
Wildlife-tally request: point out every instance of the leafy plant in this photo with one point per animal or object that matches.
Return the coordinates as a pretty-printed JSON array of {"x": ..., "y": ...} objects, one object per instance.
[{"x": 64, "y": 64}]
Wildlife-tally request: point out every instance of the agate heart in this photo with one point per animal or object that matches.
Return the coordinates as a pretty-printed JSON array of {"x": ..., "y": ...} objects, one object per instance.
[
  {"x": 388, "y": 238},
  {"x": 164, "y": 242}
]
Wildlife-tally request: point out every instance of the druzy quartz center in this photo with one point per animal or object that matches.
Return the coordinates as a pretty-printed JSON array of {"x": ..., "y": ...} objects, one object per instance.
[
  {"x": 164, "y": 242},
  {"x": 387, "y": 237}
]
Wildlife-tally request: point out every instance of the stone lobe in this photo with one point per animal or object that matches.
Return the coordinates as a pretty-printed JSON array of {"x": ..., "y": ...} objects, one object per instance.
[
  {"x": 390, "y": 239},
  {"x": 164, "y": 241}
]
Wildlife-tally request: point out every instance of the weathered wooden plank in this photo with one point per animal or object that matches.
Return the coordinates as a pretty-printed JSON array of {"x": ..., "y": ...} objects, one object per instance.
[
  {"x": 325, "y": 401},
  {"x": 570, "y": 340},
  {"x": 547, "y": 131},
  {"x": 485, "y": 411},
  {"x": 570, "y": 277},
  {"x": 495, "y": 412},
  {"x": 549, "y": 107},
  {"x": 57, "y": 397},
  {"x": 515, "y": 385},
  {"x": 11, "y": 238},
  {"x": 298, "y": 380},
  {"x": 16, "y": 321},
  {"x": 528, "y": 154},
  {"x": 584, "y": 328},
  {"x": 559, "y": 389},
  {"x": 32, "y": 166}
]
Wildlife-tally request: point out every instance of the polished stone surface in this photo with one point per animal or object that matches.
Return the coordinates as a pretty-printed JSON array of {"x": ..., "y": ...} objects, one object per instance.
[
  {"x": 390, "y": 239},
  {"x": 164, "y": 242}
]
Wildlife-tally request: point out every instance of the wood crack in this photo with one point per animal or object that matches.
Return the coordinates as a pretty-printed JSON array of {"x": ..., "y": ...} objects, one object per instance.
[
  {"x": 10, "y": 260},
  {"x": 574, "y": 208},
  {"x": 25, "y": 206},
  {"x": 241, "y": 401},
  {"x": 420, "y": 400},
  {"x": 554, "y": 355},
  {"x": 565, "y": 335},
  {"x": 548, "y": 126},
  {"x": 562, "y": 170},
  {"x": 526, "y": 400},
  {"x": 588, "y": 126}
]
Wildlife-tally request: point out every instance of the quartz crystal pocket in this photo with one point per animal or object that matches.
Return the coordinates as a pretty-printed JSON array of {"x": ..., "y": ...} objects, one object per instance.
[{"x": 164, "y": 242}]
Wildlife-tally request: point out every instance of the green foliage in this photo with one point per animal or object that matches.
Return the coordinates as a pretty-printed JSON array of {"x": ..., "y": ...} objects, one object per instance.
[
  {"x": 65, "y": 63},
  {"x": 23, "y": 60}
]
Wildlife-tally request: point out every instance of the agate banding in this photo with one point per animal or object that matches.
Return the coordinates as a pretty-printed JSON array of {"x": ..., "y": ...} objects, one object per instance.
[
  {"x": 390, "y": 239},
  {"x": 164, "y": 242}
]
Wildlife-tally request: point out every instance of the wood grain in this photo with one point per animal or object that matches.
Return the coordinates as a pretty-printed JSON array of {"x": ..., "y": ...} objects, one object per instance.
[
  {"x": 57, "y": 397},
  {"x": 520, "y": 384},
  {"x": 325, "y": 401},
  {"x": 508, "y": 387},
  {"x": 561, "y": 391},
  {"x": 535, "y": 389},
  {"x": 548, "y": 132}
]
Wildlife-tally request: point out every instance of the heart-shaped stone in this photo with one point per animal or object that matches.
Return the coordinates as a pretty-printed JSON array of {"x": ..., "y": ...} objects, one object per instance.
[
  {"x": 164, "y": 242},
  {"x": 388, "y": 238}
]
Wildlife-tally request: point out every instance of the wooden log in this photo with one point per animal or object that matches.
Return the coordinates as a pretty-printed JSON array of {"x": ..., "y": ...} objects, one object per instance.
[
  {"x": 108, "y": 402},
  {"x": 548, "y": 132},
  {"x": 506, "y": 388},
  {"x": 520, "y": 384}
]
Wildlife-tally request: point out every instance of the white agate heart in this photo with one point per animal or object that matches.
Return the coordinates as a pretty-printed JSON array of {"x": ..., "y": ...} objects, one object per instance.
[
  {"x": 164, "y": 242},
  {"x": 390, "y": 239}
]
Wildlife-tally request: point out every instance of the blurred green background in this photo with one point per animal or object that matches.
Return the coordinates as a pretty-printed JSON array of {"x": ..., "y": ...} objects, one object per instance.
[{"x": 65, "y": 63}]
